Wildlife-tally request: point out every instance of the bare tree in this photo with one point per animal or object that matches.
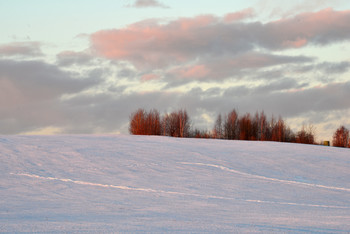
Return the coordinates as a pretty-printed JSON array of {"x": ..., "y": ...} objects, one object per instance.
[
  {"x": 218, "y": 128},
  {"x": 183, "y": 123},
  {"x": 153, "y": 123},
  {"x": 138, "y": 122},
  {"x": 196, "y": 133},
  {"x": 306, "y": 135},
  {"x": 176, "y": 124},
  {"x": 290, "y": 136},
  {"x": 230, "y": 125},
  {"x": 341, "y": 137},
  {"x": 173, "y": 124},
  {"x": 262, "y": 135},
  {"x": 165, "y": 122},
  {"x": 245, "y": 127},
  {"x": 256, "y": 128},
  {"x": 278, "y": 130}
]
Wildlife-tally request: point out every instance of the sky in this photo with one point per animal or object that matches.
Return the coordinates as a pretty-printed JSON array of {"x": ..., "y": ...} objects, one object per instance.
[{"x": 83, "y": 66}]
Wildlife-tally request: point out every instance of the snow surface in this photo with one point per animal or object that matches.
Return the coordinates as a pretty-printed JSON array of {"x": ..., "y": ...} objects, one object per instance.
[{"x": 102, "y": 184}]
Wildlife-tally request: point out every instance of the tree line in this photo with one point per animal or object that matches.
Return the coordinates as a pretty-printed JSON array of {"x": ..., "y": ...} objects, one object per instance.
[
  {"x": 230, "y": 126},
  {"x": 258, "y": 127},
  {"x": 175, "y": 124}
]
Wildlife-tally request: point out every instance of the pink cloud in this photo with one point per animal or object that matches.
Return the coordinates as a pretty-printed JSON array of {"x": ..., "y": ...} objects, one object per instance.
[
  {"x": 320, "y": 27},
  {"x": 196, "y": 72},
  {"x": 155, "y": 44},
  {"x": 295, "y": 44},
  {"x": 186, "y": 24},
  {"x": 149, "y": 77},
  {"x": 240, "y": 15}
]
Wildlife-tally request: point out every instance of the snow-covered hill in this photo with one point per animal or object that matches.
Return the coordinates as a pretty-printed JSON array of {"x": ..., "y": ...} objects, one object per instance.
[{"x": 160, "y": 184}]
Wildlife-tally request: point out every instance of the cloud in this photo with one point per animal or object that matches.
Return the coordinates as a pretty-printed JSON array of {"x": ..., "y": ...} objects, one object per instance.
[
  {"x": 248, "y": 65},
  {"x": 149, "y": 77},
  {"x": 240, "y": 15},
  {"x": 157, "y": 44},
  {"x": 289, "y": 98},
  {"x": 106, "y": 112},
  {"x": 31, "y": 92},
  {"x": 36, "y": 96},
  {"x": 68, "y": 58},
  {"x": 327, "y": 69},
  {"x": 293, "y": 8},
  {"x": 318, "y": 28},
  {"x": 147, "y": 3},
  {"x": 193, "y": 72},
  {"x": 150, "y": 44},
  {"x": 205, "y": 64},
  {"x": 40, "y": 80},
  {"x": 112, "y": 112},
  {"x": 21, "y": 48},
  {"x": 334, "y": 68}
]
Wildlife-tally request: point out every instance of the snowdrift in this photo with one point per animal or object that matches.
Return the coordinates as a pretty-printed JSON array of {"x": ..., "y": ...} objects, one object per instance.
[{"x": 160, "y": 184}]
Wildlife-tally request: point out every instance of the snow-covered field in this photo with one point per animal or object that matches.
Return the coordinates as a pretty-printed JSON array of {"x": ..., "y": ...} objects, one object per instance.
[{"x": 118, "y": 183}]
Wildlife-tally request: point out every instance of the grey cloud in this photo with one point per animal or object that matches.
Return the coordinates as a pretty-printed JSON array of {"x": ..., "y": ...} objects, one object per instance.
[
  {"x": 105, "y": 113},
  {"x": 334, "y": 68},
  {"x": 257, "y": 60},
  {"x": 237, "y": 92},
  {"x": 241, "y": 94},
  {"x": 108, "y": 112},
  {"x": 248, "y": 66},
  {"x": 279, "y": 86},
  {"x": 118, "y": 89},
  {"x": 68, "y": 58},
  {"x": 213, "y": 91},
  {"x": 147, "y": 3},
  {"x": 287, "y": 103},
  {"x": 285, "y": 97},
  {"x": 21, "y": 48},
  {"x": 327, "y": 68},
  {"x": 293, "y": 103},
  {"x": 40, "y": 80},
  {"x": 303, "y": 68},
  {"x": 30, "y": 93},
  {"x": 127, "y": 73}
]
